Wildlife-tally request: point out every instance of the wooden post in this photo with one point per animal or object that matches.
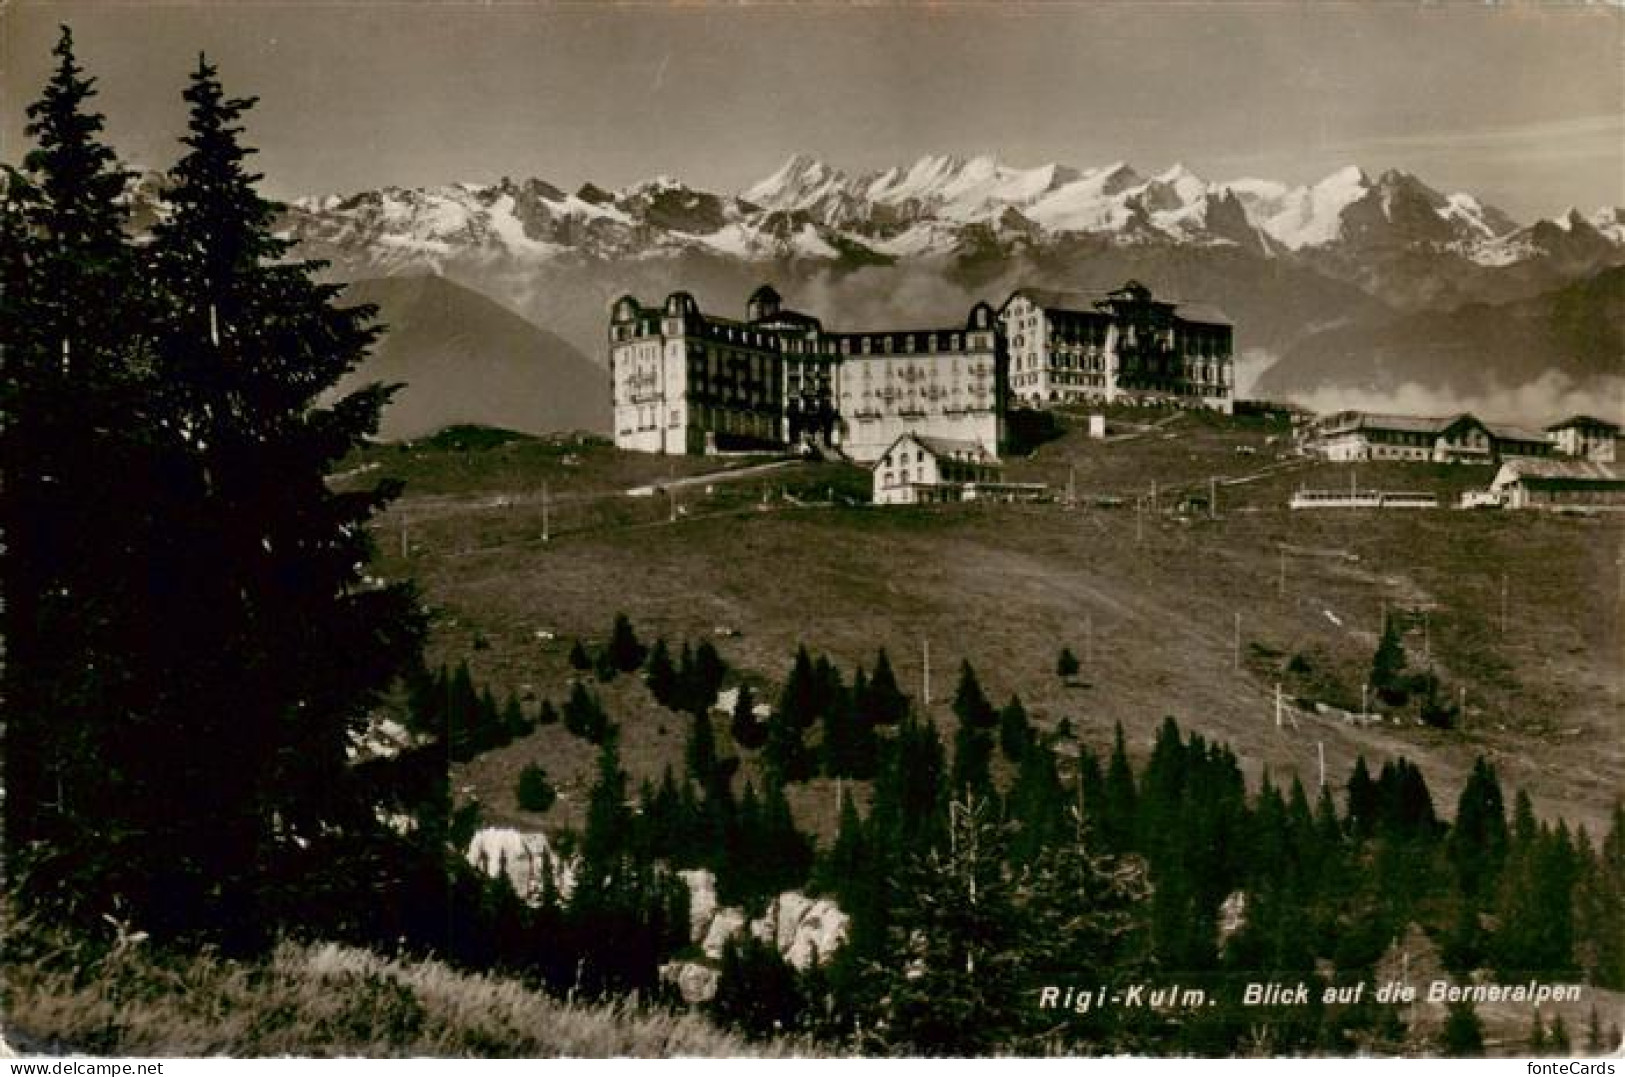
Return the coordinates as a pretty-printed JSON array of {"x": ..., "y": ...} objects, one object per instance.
[
  {"x": 1503, "y": 604},
  {"x": 546, "y": 536},
  {"x": 1212, "y": 497},
  {"x": 925, "y": 679},
  {"x": 1277, "y": 704},
  {"x": 1320, "y": 748}
]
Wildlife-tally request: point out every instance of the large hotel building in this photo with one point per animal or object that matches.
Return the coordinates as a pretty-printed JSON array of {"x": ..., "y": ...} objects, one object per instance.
[
  {"x": 685, "y": 381},
  {"x": 1114, "y": 346}
]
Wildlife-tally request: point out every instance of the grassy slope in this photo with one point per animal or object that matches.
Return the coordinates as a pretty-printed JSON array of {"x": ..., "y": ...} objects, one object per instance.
[
  {"x": 1006, "y": 586},
  {"x": 326, "y": 1001}
]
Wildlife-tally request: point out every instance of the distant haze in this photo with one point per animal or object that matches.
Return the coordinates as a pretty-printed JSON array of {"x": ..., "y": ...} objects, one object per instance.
[{"x": 1521, "y": 105}]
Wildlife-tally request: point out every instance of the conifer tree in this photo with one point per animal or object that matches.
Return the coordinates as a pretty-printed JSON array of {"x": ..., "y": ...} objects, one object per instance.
[
  {"x": 515, "y": 723},
  {"x": 1066, "y": 665},
  {"x": 78, "y": 455},
  {"x": 799, "y": 699},
  {"x": 625, "y": 652},
  {"x": 1478, "y": 840},
  {"x": 584, "y": 715},
  {"x": 706, "y": 676},
  {"x": 235, "y": 725},
  {"x": 973, "y": 757},
  {"x": 911, "y": 789},
  {"x": 785, "y": 752},
  {"x": 1537, "y": 1035},
  {"x": 1015, "y": 730},
  {"x": 886, "y": 704},
  {"x": 844, "y": 865},
  {"x": 970, "y": 704},
  {"x": 953, "y": 970},
  {"x": 784, "y": 855},
  {"x": 849, "y": 744},
  {"x": 534, "y": 792},
  {"x": 748, "y": 731},
  {"x": 1362, "y": 801},
  {"x": 662, "y": 675},
  {"x": 579, "y": 658},
  {"x": 1121, "y": 804},
  {"x": 1038, "y": 805},
  {"x": 1388, "y": 664},
  {"x": 607, "y": 840},
  {"x": 757, "y": 990},
  {"x": 1558, "y": 1036},
  {"x": 701, "y": 752}
]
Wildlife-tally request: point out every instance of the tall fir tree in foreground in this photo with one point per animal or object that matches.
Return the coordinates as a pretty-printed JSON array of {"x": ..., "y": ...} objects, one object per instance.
[
  {"x": 190, "y": 644},
  {"x": 276, "y": 650},
  {"x": 76, "y": 446}
]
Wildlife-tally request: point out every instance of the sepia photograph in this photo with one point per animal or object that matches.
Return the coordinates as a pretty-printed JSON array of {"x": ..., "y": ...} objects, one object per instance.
[{"x": 825, "y": 529}]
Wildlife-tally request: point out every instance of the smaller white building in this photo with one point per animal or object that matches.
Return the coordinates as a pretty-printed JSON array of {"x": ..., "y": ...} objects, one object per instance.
[
  {"x": 1583, "y": 485},
  {"x": 916, "y": 469},
  {"x": 1586, "y": 437}
]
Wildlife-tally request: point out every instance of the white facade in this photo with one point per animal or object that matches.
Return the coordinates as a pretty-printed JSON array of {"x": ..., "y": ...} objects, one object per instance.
[
  {"x": 1070, "y": 347},
  {"x": 686, "y": 382},
  {"x": 941, "y": 384},
  {"x": 1585, "y": 437},
  {"x": 914, "y": 469}
]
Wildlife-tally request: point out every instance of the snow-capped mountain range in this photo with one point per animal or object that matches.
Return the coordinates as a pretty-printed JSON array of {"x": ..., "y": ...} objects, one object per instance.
[
  {"x": 940, "y": 206},
  {"x": 1302, "y": 270}
]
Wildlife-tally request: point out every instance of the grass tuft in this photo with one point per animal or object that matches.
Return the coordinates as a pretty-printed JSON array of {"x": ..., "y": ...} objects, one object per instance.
[{"x": 318, "y": 1000}]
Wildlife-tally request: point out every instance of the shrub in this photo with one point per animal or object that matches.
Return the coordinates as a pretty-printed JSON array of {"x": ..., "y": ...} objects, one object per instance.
[{"x": 534, "y": 791}]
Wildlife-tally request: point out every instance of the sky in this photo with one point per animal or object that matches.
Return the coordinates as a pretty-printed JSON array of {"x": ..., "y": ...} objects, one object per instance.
[{"x": 1520, "y": 103}]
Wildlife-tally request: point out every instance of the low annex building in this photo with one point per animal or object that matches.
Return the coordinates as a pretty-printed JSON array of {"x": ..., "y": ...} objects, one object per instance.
[
  {"x": 685, "y": 381},
  {"x": 1559, "y": 484},
  {"x": 1118, "y": 346},
  {"x": 1349, "y": 436}
]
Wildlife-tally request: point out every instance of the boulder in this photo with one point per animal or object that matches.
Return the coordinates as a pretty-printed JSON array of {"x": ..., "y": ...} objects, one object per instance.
[
  {"x": 820, "y": 931},
  {"x": 702, "y": 901},
  {"x": 1232, "y": 916},
  {"x": 696, "y": 983},
  {"x": 804, "y": 930},
  {"x": 727, "y": 923}
]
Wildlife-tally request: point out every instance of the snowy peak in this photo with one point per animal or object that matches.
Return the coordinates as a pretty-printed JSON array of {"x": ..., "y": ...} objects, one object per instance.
[
  {"x": 801, "y": 179},
  {"x": 941, "y": 205}
]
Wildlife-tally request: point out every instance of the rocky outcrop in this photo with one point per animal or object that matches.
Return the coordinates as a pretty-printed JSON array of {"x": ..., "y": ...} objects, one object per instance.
[
  {"x": 805, "y": 930},
  {"x": 1232, "y": 917},
  {"x": 702, "y": 901},
  {"x": 727, "y": 923},
  {"x": 525, "y": 858}
]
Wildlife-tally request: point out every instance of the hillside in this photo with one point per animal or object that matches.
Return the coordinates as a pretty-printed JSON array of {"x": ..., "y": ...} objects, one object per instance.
[
  {"x": 464, "y": 358},
  {"x": 1570, "y": 337},
  {"x": 318, "y": 1001},
  {"x": 1149, "y": 603}
]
